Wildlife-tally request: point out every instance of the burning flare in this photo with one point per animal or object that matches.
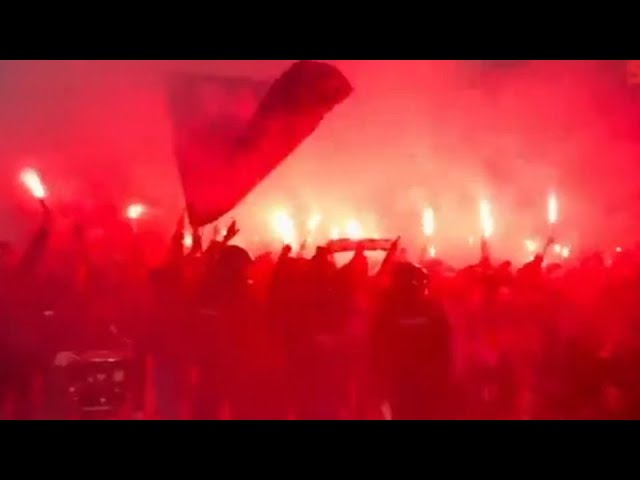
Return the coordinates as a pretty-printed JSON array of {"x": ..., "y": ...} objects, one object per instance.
[
  {"x": 187, "y": 240},
  {"x": 552, "y": 209},
  {"x": 285, "y": 228},
  {"x": 32, "y": 181},
  {"x": 486, "y": 219},
  {"x": 428, "y": 222},
  {"x": 313, "y": 222},
  {"x": 135, "y": 211},
  {"x": 354, "y": 229},
  {"x": 531, "y": 245}
]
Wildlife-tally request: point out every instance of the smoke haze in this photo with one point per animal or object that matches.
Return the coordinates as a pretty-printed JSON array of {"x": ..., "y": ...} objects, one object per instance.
[{"x": 414, "y": 133}]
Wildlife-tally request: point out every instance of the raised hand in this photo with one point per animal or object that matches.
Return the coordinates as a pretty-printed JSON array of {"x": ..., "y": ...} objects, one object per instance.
[{"x": 231, "y": 232}]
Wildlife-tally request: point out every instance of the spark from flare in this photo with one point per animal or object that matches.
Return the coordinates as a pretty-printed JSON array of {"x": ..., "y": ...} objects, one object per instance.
[
  {"x": 486, "y": 219},
  {"x": 428, "y": 222},
  {"x": 557, "y": 248},
  {"x": 32, "y": 181},
  {"x": 552, "y": 209},
  {"x": 432, "y": 251},
  {"x": 565, "y": 252}
]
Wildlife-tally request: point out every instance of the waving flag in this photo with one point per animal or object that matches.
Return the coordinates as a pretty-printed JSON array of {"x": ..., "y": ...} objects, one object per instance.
[
  {"x": 209, "y": 115},
  {"x": 229, "y": 134}
]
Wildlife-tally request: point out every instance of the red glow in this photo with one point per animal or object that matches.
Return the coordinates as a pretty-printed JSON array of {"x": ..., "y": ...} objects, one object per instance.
[
  {"x": 119, "y": 120},
  {"x": 493, "y": 149},
  {"x": 30, "y": 178}
]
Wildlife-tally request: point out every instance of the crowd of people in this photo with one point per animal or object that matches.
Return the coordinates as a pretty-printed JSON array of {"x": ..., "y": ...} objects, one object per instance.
[{"x": 213, "y": 333}]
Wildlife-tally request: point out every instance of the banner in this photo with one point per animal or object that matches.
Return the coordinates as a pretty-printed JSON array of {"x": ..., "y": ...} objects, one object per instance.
[{"x": 368, "y": 244}]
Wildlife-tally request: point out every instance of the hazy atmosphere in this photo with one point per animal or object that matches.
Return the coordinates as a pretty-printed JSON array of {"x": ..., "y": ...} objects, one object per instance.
[{"x": 413, "y": 133}]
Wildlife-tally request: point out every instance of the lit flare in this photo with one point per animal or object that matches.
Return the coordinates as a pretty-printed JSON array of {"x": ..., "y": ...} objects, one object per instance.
[
  {"x": 552, "y": 209},
  {"x": 486, "y": 219},
  {"x": 354, "y": 229},
  {"x": 135, "y": 211},
  {"x": 428, "y": 222},
  {"x": 285, "y": 228},
  {"x": 33, "y": 182}
]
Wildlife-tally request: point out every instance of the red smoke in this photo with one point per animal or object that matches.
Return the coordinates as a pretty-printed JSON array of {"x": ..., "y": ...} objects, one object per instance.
[{"x": 439, "y": 133}]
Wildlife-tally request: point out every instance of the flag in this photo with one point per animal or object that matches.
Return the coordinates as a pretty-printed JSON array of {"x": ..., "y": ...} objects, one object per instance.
[
  {"x": 229, "y": 135},
  {"x": 208, "y": 115}
]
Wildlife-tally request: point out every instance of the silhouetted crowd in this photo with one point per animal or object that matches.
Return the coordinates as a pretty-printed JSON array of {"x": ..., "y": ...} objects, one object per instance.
[{"x": 213, "y": 333}]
